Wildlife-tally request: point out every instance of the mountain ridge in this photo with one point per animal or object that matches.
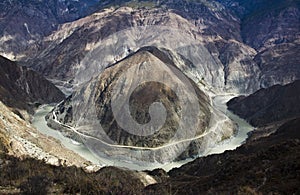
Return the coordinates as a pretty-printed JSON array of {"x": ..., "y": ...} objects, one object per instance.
[
  {"x": 24, "y": 89},
  {"x": 151, "y": 64}
]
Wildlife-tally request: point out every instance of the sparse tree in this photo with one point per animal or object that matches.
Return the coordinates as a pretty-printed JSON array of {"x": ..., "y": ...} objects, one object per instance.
[{"x": 35, "y": 185}]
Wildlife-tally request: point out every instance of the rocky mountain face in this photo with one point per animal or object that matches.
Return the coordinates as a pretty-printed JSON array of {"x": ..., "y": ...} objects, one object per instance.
[
  {"x": 277, "y": 41},
  {"x": 184, "y": 127},
  {"x": 32, "y": 176},
  {"x": 22, "y": 88},
  {"x": 137, "y": 47},
  {"x": 243, "y": 58},
  {"x": 268, "y": 109},
  {"x": 272, "y": 29},
  {"x": 240, "y": 58},
  {"x": 218, "y": 54},
  {"x": 258, "y": 166},
  {"x": 20, "y": 139},
  {"x": 277, "y": 103},
  {"x": 24, "y": 23},
  {"x": 267, "y": 165}
]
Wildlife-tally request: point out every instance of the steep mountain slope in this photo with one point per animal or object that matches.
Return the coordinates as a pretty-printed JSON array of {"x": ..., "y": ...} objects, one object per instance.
[
  {"x": 277, "y": 41},
  {"x": 25, "y": 23},
  {"x": 269, "y": 105},
  {"x": 144, "y": 107},
  {"x": 267, "y": 165},
  {"x": 20, "y": 139},
  {"x": 272, "y": 29},
  {"x": 267, "y": 109},
  {"x": 31, "y": 162},
  {"x": 145, "y": 61},
  {"x": 245, "y": 58},
  {"x": 224, "y": 62},
  {"x": 22, "y": 88},
  {"x": 31, "y": 176}
]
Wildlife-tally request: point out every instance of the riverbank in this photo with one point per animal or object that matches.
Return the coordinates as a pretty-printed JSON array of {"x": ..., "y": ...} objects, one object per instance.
[
  {"x": 219, "y": 102},
  {"x": 22, "y": 140}
]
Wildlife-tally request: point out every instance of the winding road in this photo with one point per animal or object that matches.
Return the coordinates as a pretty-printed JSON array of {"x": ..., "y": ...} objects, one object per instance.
[
  {"x": 219, "y": 102},
  {"x": 218, "y": 123}
]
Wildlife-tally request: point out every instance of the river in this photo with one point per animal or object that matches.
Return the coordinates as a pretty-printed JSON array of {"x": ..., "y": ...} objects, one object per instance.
[
  {"x": 243, "y": 127},
  {"x": 219, "y": 102}
]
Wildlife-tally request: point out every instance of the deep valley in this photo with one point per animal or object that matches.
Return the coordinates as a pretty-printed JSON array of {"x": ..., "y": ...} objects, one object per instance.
[{"x": 149, "y": 97}]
